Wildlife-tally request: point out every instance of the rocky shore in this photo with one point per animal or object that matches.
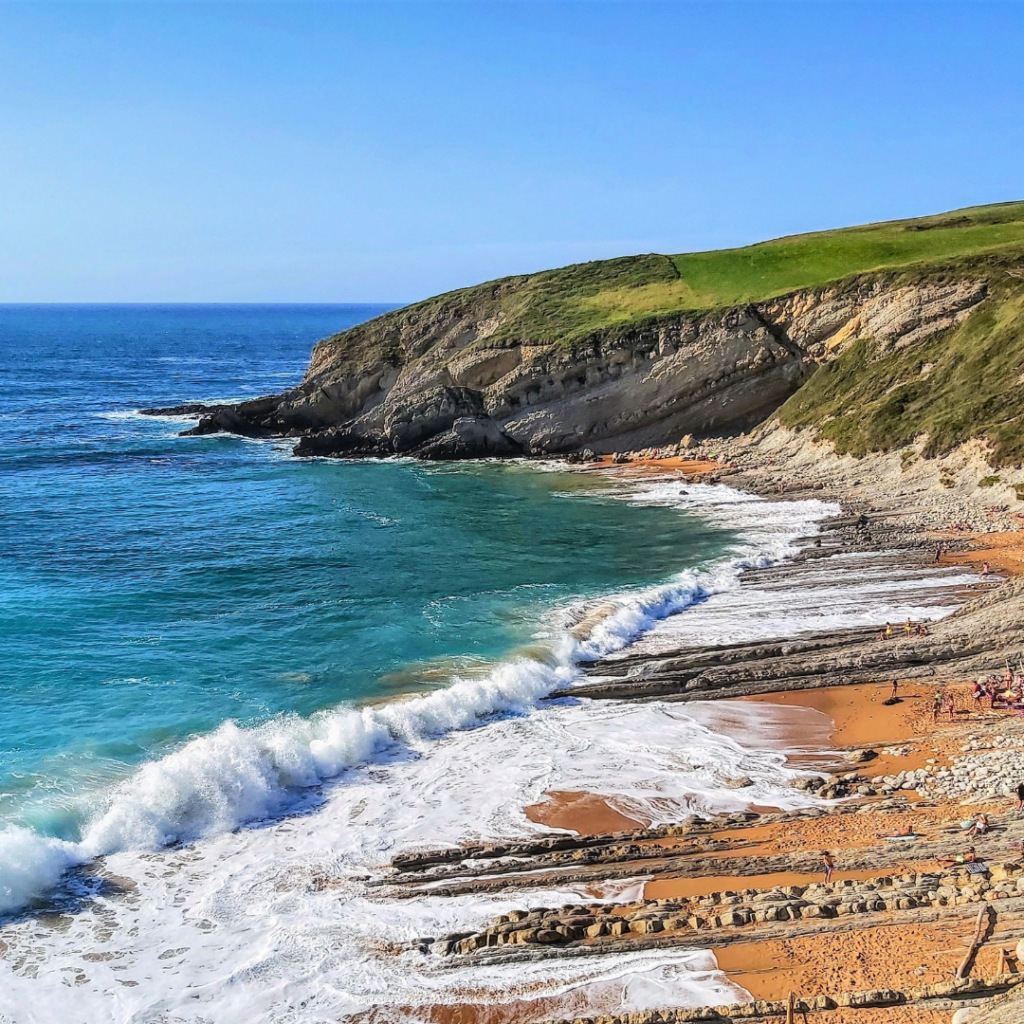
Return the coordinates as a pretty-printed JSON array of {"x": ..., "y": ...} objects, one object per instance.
[
  {"x": 748, "y": 883},
  {"x": 889, "y": 894}
]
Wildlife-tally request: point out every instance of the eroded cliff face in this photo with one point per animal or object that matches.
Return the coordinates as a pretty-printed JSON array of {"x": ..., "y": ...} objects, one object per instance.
[{"x": 446, "y": 382}]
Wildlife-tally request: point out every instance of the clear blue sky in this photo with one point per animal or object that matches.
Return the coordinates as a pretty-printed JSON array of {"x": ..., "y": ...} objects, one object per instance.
[{"x": 385, "y": 151}]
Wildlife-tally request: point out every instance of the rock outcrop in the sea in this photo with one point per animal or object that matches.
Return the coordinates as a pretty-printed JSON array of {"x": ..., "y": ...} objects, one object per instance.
[{"x": 459, "y": 377}]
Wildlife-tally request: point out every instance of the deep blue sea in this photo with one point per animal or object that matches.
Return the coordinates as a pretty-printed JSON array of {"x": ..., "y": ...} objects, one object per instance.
[{"x": 154, "y": 586}]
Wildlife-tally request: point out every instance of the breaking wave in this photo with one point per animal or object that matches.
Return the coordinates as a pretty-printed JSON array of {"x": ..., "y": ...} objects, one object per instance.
[{"x": 235, "y": 775}]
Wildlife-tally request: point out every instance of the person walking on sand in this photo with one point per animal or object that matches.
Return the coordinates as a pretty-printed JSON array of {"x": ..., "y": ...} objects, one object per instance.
[
  {"x": 895, "y": 687},
  {"x": 829, "y": 864},
  {"x": 950, "y": 706},
  {"x": 937, "y": 702}
]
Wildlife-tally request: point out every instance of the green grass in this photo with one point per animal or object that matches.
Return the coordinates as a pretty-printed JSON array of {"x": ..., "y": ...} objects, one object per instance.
[
  {"x": 866, "y": 400},
  {"x": 729, "y": 277},
  {"x": 579, "y": 303}
]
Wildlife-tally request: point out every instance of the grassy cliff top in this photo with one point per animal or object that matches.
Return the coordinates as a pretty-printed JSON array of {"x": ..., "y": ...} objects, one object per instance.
[
  {"x": 571, "y": 303},
  {"x": 728, "y": 277}
]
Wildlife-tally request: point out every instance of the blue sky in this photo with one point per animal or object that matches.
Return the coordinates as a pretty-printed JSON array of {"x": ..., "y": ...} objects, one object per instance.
[{"x": 345, "y": 152}]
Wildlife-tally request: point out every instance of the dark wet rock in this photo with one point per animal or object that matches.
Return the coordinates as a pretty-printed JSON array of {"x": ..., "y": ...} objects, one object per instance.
[{"x": 470, "y": 437}]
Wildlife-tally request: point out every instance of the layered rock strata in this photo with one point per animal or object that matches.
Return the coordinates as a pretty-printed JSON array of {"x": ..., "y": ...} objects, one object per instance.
[
  {"x": 746, "y": 909},
  {"x": 440, "y": 380},
  {"x": 946, "y": 995}
]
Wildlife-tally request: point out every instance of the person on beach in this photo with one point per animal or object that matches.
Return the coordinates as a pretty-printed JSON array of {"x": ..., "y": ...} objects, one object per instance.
[
  {"x": 887, "y": 633},
  {"x": 937, "y": 704},
  {"x": 970, "y": 857},
  {"x": 985, "y": 570},
  {"x": 950, "y": 706},
  {"x": 978, "y": 692},
  {"x": 895, "y": 688},
  {"x": 908, "y": 627},
  {"x": 901, "y": 833},
  {"x": 1020, "y": 797},
  {"x": 980, "y": 827},
  {"x": 829, "y": 864}
]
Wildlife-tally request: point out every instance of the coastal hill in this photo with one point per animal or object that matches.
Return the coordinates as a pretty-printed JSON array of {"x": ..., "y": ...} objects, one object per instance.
[{"x": 870, "y": 336}]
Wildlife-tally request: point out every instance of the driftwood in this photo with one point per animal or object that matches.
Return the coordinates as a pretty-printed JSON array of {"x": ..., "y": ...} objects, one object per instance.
[{"x": 980, "y": 928}]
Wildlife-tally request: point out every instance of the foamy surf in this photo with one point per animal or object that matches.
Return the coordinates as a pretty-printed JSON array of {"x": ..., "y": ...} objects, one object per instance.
[
  {"x": 236, "y": 775},
  {"x": 281, "y": 922}
]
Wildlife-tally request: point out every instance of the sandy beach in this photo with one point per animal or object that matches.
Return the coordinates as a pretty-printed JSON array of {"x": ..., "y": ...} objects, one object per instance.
[{"x": 869, "y": 742}]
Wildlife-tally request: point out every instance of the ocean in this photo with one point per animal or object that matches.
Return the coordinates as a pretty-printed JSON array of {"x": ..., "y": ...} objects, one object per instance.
[{"x": 229, "y": 671}]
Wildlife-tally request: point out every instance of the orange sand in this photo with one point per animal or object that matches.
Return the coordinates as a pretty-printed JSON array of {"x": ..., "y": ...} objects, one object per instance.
[
  {"x": 685, "y": 888},
  {"x": 1004, "y": 552},
  {"x": 584, "y": 813},
  {"x": 895, "y": 956},
  {"x": 858, "y": 712},
  {"x": 688, "y": 466},
  {"x": 842, "y": 961}
]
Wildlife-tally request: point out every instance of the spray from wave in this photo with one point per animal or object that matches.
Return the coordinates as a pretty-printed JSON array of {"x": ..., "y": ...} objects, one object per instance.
[{"x": 236, "y": 775}]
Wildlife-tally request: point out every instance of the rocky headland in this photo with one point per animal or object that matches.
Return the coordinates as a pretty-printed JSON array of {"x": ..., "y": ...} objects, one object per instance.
[{"x": 641, "y": 351}]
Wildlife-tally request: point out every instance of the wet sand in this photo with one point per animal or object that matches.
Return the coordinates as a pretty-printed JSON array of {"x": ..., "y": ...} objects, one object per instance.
[
  {"x": 859, "y": 715},
  {"x": 587, "y": 814},
  {"x": 906, "y": 956},
  {"x": 852, "y": 716}
]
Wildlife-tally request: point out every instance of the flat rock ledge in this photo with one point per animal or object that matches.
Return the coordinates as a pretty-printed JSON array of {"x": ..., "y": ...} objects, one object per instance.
[
  {"x": 706, "y": 915},
  {"x": 943, "y": 995},
  {"x": 570, "y": 858}
]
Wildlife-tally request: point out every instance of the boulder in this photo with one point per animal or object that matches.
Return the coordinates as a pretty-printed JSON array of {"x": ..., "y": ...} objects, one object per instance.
[
  {"x": 470, "y": 437},
  {"x": 859, "y": 756},
  {"x": 743, "y": 782}
]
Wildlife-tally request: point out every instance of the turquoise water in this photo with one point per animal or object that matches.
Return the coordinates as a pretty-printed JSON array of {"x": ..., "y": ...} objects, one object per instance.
[{"x": 154, "y": 586}]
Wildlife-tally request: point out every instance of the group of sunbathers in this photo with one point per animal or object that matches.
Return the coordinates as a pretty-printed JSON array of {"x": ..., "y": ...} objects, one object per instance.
[
  {"x": 1002, "y": 691},
  {"x": 909, "y": 629}
]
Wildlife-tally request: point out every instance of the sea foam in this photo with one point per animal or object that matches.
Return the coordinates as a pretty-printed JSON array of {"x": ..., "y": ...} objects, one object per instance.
[
  {"x": 31, "y": 864},
  {"x": 222, "y": 780},
  {"x": 280, "y": 923}
]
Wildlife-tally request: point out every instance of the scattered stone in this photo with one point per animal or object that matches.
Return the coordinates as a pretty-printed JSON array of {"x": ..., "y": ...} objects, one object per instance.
[{"x": 860, "y": 756}]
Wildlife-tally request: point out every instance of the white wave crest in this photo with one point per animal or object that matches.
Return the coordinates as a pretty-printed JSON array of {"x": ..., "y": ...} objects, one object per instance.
[
  {"x": 235, "y": 775},
  {"x": 217, "y": 782},
  {"x": 31, "y": 865}
]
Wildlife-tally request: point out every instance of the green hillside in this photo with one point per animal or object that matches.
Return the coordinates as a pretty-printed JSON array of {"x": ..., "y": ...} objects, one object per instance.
[
  {"x": 569, "y": 304},
  {"x": 958, "y": 384},
  {"x": 728, "y": 277}
]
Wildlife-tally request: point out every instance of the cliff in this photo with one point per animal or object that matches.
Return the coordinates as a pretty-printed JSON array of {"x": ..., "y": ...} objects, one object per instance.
[{"x": 642, "y": 350}]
